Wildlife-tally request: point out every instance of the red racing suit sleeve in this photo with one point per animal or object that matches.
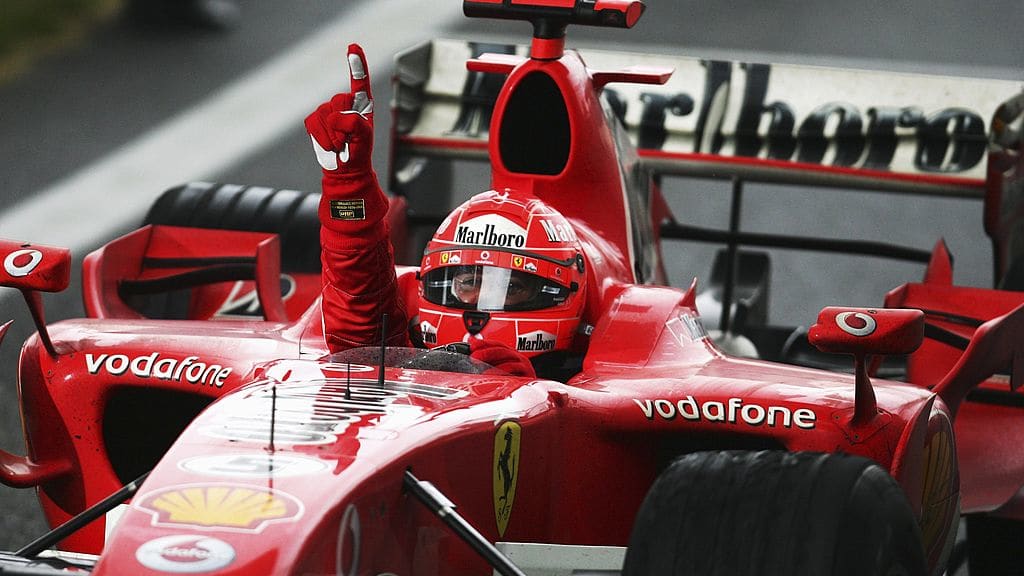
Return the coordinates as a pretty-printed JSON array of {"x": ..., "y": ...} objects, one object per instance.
[
  {"x": 357, "y": 260},
  {"x": 358, "y": 265}
]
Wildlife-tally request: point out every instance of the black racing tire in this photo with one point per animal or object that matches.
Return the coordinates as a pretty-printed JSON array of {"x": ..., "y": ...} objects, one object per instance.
[
  {"x": 289, "y": 213},
  {"x": 993, "y": 546},
  {"x": 736, "y": 513}
]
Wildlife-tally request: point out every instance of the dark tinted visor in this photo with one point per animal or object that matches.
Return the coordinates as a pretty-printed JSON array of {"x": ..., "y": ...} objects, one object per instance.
[{"x": 491, "y": 289}]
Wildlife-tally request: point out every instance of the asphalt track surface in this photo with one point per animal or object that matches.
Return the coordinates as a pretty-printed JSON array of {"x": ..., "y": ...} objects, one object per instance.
[{"x": 91, "y": 134}]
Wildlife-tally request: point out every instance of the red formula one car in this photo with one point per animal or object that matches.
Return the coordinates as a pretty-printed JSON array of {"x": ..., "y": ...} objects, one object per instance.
[{"x": 172, "y": 432}]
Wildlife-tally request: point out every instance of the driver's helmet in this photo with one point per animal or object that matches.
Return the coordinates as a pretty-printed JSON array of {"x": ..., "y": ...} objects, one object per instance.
[{"x": 505, "y": 267}]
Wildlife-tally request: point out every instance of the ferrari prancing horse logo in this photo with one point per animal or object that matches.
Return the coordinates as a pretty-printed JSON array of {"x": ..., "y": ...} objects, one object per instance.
[{"x": 505, "y": 471}]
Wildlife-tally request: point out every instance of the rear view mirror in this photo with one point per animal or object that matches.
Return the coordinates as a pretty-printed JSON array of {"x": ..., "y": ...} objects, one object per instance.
[
  {"x": 32, "y": 268},
  {"x": 28, "y": 266},
  {"x": 861, "y": 331}
]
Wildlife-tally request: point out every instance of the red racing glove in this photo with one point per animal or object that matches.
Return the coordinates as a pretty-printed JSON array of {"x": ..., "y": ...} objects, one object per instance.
[
  {"x": 355, "y": 249},
  {"x": 341, "y": 131},
  {"x": 501, "y": 357}
]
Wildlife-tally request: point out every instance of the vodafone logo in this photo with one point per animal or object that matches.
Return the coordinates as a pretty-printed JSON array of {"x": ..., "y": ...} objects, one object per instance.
[
  {"x": 856, "y": 323},
  {"x": 153, "y": 366},
  {"x": 22, "y": 262}
]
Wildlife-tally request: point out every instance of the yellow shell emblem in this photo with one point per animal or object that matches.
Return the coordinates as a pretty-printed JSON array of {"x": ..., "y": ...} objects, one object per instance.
[
  {"x": 225, "y": 507},
  {"x": 505, "y": 471}
]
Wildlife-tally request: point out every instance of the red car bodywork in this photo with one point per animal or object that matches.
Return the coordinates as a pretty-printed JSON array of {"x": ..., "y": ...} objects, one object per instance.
[{"x": 297, "y": 467}]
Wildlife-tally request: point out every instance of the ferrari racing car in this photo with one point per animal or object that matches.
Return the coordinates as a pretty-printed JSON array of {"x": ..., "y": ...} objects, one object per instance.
[{"x": 196, "y": 421}]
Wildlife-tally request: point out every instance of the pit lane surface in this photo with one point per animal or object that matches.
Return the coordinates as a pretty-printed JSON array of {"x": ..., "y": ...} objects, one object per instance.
[{"x": 81, "y": 126}]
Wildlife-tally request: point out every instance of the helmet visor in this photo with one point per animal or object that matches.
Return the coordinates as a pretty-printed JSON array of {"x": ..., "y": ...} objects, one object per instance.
[{"x": 491, "y": 289}]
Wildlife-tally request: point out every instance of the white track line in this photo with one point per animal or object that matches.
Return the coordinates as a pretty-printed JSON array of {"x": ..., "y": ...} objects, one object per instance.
[{"x": 98, "y": 201}]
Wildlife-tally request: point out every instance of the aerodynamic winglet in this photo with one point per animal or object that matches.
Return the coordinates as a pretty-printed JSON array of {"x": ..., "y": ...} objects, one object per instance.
[{"x": 995, "y": 345}]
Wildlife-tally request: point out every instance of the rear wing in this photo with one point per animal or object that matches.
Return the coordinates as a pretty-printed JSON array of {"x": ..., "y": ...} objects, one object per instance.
[{"x": 768, "y": 123}]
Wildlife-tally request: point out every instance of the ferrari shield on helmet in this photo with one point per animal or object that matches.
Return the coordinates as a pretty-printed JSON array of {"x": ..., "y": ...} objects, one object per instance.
[{"x": 505, "y": 267}]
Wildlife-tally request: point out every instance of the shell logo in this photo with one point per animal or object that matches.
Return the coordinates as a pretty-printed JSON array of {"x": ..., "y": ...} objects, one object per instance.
[{"x": 220, "y": 507}]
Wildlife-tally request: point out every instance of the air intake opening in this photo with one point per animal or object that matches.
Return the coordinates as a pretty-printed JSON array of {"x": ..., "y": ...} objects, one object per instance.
[
  {"x": 535, "y": 135},
  {"x": 139, "y": 426}
]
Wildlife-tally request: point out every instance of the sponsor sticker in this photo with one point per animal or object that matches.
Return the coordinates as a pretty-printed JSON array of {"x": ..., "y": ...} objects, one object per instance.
[
  {"x": 453, "y": 257},
  {"x": 226, "y": 507},
  {"x": 189, "y": 369},
  {"x": 557, "y": 232},
  {"x": 505, "y": 471},
  {"x": 491, "y": 230},
  {"x": 429, "y": 332},
  {"x": 243, "y": 300},
  {"x": 536, "y": 341},
  {"x": 348, "y": 209},
  {"x": 22, "y": 262},
  {"x": 856, "y": 323},
  {"x": 686, "y": 328},
  {"x": 253, "y": 465},
  {"x": 185, "y": 554},
  {"x": 732, "y": 411}
]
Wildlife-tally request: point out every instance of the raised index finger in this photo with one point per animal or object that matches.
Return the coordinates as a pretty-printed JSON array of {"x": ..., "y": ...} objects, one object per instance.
[{"x": 359, "y": 76}]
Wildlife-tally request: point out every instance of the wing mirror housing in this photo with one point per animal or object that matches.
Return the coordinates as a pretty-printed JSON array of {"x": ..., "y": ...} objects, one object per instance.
[
  {"x": 34, "y": 268},
  {"x": 863, "y": 332}
]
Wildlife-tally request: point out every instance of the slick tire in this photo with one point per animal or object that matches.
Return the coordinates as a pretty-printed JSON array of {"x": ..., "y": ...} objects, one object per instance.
[
  {"x": 774, "y": 513},
  {"x": 289, "y": 213}
]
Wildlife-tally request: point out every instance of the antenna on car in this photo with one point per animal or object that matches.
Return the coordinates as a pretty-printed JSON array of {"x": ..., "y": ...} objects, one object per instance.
[
  {"x": 273, "y": 407},
  {"x": 348, "y": 380},
  {"x": 383, "y": 346},
  {"x": 273, "y": 414}
]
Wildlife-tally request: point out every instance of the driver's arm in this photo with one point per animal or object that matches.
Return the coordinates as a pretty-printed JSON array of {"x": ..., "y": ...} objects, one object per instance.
[{"x": 358, "y": 267}]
